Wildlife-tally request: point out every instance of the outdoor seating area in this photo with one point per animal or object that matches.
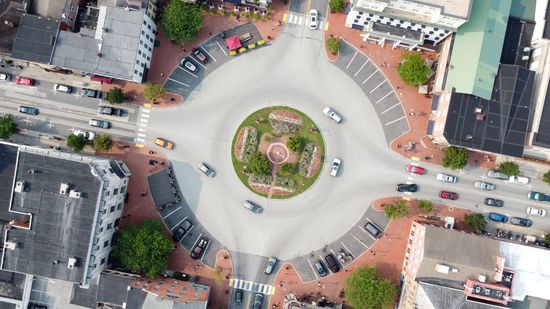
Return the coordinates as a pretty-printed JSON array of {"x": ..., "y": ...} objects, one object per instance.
[{"x": 242, "y": 40}]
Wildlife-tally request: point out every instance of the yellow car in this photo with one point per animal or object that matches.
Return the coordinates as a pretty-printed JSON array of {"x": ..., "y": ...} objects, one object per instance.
[{"x": 164, "y": 143}]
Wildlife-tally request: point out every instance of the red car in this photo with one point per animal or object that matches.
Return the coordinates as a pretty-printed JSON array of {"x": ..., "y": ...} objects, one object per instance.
[
  {"x": 415, "y": 169},
  {"x": 448, "y": 195},
  {"x": 24, "y": 81}
]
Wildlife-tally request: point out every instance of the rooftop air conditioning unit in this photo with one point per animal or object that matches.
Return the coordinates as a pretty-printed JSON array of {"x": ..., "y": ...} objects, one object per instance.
[
  {"x": 10, "y": 245},
  {"x": 481, "y": 278},
  {"x": 19, "y": 186},
  {"x": 74, "y": 194},
  {"x": 72, "y": 263},
  {"x": 63, "y": 188}
]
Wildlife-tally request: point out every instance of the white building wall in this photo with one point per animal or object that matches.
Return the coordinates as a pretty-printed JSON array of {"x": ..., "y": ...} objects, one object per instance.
[{"x": 145, "y": 48}]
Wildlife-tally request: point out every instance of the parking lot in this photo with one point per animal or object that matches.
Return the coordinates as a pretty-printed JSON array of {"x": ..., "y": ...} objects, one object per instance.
[{"x": 376, "y": 87}]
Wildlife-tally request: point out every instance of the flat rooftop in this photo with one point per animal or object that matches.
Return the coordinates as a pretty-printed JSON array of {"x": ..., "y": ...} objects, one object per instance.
[
  {"x": 11, "y": 12},
  {"x": 8, "y": 159},
  {"x": 35, "y": 39},
  {"x": 518, "y": 37}
]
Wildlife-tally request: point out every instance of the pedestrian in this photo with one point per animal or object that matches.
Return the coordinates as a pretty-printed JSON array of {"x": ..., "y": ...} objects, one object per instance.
[{"x": 161, "y": 74}]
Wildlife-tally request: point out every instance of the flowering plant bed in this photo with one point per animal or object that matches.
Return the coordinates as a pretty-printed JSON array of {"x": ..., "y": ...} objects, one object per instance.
[
  {"x": 246, "y": 144},
  {"x": 284, "y": 121},
  {"x": 309, "y": 161}
]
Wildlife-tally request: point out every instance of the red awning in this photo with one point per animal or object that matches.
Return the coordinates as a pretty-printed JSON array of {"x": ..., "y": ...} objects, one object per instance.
[{"x": 233, "y": 42}]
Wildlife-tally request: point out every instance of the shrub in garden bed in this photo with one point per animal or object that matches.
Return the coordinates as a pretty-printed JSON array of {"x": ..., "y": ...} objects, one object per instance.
[
  {"x": 285, "y": 182},
  {"x": 306, "y": 159},
  {"x": 265, "y": 179}
]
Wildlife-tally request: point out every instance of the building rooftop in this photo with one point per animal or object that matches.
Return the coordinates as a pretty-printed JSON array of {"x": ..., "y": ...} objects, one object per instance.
[
  {"x": 8, "y": 161},
  {"x": 430, "y": 295},
  {"x": 113, "y": 289},
  {"x": 498, "y": 125},
  {"x": 517, "y": 42},
  {"x": 477, "y": 48},
  {"x": 453, "y": 8},
  {"x": 11, "y": 12},
  {"x": 12, "y": 285},
  {"x": 35, "y": 39}
]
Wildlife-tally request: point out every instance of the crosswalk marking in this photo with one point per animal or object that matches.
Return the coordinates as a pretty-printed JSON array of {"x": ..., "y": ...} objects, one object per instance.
[{"x": 252, "y": 286}]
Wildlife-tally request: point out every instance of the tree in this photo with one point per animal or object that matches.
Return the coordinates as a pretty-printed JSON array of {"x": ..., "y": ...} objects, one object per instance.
[
  {"x": 153, "y": 92},
  {"x": 333, "y": 45},
  {"x": 143, "y": 248},
  {"x": 76, "y": 142},
  {"x": 337, "y": 6},
  {"x": 425, "y": 205},
  {"x": 455, "y": 158},
  {"x": 8, "y": 127},
  {"x": 546, "y": 177},
  {"x": 396, "y": 210},
  {"x": 115, "y": 95},
  {"x": 102, "y": 142},
  {"x": 412, "y": 69},
  {"x": 294, "y": 142},
  {"x": 287, "y": 168},
  {"x": 509, "y": 168},
  {"x": 366, "y": 289},
  {"x": 181, "y": 21},
  {"x": 547, "y": 238},
  {"x": 476, "y": 221},
  {"x": 259, "y": 164}
]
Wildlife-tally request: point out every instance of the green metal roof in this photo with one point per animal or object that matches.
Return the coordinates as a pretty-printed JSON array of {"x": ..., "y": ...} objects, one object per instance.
[
  {"x": 477, "y": 48},
  {"x": 524, "y": 9}
]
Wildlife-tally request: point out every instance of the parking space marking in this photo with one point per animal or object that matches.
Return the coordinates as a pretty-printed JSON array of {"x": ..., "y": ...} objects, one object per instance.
[
  {"x": 187, "y": 72},
  {"x": 205, "y": 250},
  {"x": 369, "y": 77},
  {"x": 178, "y": 224},
  {"x": 200, "y": 63},
  {"x": 223, "y": 50},
  {"x": 359, "y": 240},
  {"x": 384, "y": 97},
  {"x": 337, "y": 259},
  {"x": 177, "y": 81},
  {"x": 364, "y": 64},
  {"x": 352, "y": 59},
  {"x": 313, "y": 269},
  {"x": 188, "y": 232},
  {"x": 385, "y": 80},
  {"x": 168, "y": 215},
  {"x": 366, "y": 232},
  {"x": 395, "y": 120},
  {"x": 345, "y": 247},
  {"x": 382, "y": 113},
  {"x": 209, "y": 54}
]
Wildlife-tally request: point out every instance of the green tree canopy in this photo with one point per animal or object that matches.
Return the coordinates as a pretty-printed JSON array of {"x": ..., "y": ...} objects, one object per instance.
[
  {"x": 143, "y": 248},
  {"x": 337, "y": 6},
  {"x": 333, "y": 44},
  {"x": 294, "y": 142},
  {"x": 115, "y": 95},
  {"x": 396, "y": 210},
  {"x": 76, "y": 142},
  {"x": 546, "y": 177},
  {"x": 412, "y": 69},
  {"x": 102, "y": 142},
  {"x": 259, "y": 164},
  {"x": 509, "y": 168},
  {"x": 181, "y": 21},
  {"x": 455, "y": 158},
  {"x": 476, "y": 221},
  {"x": 8, "y": 127},
  {"x": 153, "y": 92},
  {"x": 425, "y": 205},
  {"x": 547, "y": 238},
  {"x": 287, "y": 168},
  {"x": 366, "y": 289}
]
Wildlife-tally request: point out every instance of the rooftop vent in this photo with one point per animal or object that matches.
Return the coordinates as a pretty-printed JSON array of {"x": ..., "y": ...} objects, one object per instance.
[
  {"x": 10, "y": 245},
  {"x": 481, "y": 278},
  {"x": 64, "y": 188},
  {"x": 74, "y": 194},
  {"x": 444, "y": 269},
  {"x": 19, "y": 186},
  {"x": 72, "y": 263}
]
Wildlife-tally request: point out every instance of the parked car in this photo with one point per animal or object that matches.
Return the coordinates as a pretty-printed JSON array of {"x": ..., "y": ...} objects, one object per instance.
[
  {"x": 207, "y": 170},
  {"x": 446, "y": 178},
  {"x": 498, "y": 217},
  {"x": 519, "y": 179},
  {"x": 271, "y": 262},
  {"x": 199, "y": 248},
  {"x": 448, "y": 195},
  {"x": 24, "y": 81},
  {"x": 107, "y": 110},
  {"x": 521, "y": 221},
  {"x": 200, "y": 55},
  {"x": 182, "y": 230},
  {"x": 373, "y": 229},
  {"x": 189, "y": 66},
  {"x": 331, "y": 262},
  {"x": 258, "y": 299},
  {"x": 87, "y": 134},
  {"x": 497, "y": 175},
  {"x": 313, "y": 19},
  {"x": 494, "y": 202},
  {"x": 335, "y": 167},
  {"x": 329, "y": 112},
  {"x": 320, "y": 268},
  {"x": 257, "y": 209},
  {"x": 537, "y": 196},
  {"x": 63, "y": 88},
  {"x": 484, "y": 185},
  {"x": 415, "y": 169},
  {"x": 100, "y": 123},
  {"x": 407, "y": 187},
  {"x": 536, "y": 211},
  {"x": 159, "y": 141},
  {"x": 28, "y": 110},
  {"x": 5, "y": 77},
  {"x": 90, "y": 93},
  {"x": 238, "y": 296}
]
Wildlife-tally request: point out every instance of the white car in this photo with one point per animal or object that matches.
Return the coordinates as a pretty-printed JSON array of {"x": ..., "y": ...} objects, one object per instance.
[
  {"x": 446, "y": 178},
  {"x": 335, "y": 167},
  {"x": 62, "y": 88},
  {"x": 536, "y": 211},
  {"x": 5, "y": 77},
  {"x": 332, "y": 114},
  {"x": 207, "y": 170},
  {"x": 519, "y": 179},
  {"x": 313, "y": 19},
  {"x": 88, "y": 135}
]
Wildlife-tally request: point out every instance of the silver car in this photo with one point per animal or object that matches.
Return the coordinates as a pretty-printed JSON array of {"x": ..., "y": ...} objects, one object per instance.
[
  {"x": 484, "y": 185},
  {"x": 446, "y": 178},
  {"x": 189, "y": 66},
  {"x": 207, "y": 170},
  {"x": 100, "y": 123},
  {"x": 313, "y": 19},
  {"x": 332, "y": 114},
  {"x": 253, "y": 207},
  {"x": 270, "y": 265}
]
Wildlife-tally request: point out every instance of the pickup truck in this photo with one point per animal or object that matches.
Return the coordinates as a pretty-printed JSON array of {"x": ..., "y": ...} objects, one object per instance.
[{"x": 107, "y": 110}]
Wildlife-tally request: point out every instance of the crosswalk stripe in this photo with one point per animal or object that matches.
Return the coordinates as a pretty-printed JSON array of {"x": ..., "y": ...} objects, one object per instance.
[
  {"x": 300, "y": 20},
  {"x": 252, "y": 286},
  {"x": 146, "y": 110}
]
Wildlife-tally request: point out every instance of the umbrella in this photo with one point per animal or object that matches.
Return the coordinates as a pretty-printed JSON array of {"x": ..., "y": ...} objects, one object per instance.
[{"x": 233, "y": 42}]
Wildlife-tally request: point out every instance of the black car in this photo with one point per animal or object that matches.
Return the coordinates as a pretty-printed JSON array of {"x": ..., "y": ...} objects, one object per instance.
[
  {"x": 28, "y": 110},
  {"x": 332, "y": 264},
  {"x": 320, "y": 268},
  {"x": 182, "y": 230},
  {"x": 198, "y": 249},
  {"x": 407, "y": 187},
  {"x": 200, "y": 55},
  {"x": 239, "y": 296},
  {"x": 521, "y": 221},
  {"x": 494, "y": 202},
  {"x": 258, "y": 299}
]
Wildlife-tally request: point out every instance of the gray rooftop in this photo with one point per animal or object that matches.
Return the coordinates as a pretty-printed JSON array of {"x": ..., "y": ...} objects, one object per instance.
[
  {"x": 113, "y": 289},
  {"x": 8, "y": 159},
  {"x": 434, "y": 296},
  {"x": 35, "y": 39},
  {"x": 76, "y": 52},
  {"x": 11, "y": 12},
  {"x": 61, "y": 226},
  {"x": 12, "y": 284}
]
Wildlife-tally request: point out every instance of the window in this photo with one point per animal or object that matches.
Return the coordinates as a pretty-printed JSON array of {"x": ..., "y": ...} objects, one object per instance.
[
  {"x": 123, "y": 189},
  {"x": 147, "y": 36},
  {"x": 143, "y": 65},
  {"x": 150, "y": 49},
  {"x": 137, "y": 61},
  {"x": 139, "y": 52},
  {"x": 142, "y": 31},
  {"x": 95, "y": 265},
  {"x": 135, "y": 71},
  {"x": 140, "y": 42},
  {"x": 112, "y": 209},
  {"x": 108, "y": 193},
  {"x": 117, "y": 222},
  {"x": 151, "y": 40},
  {"x": 144, "y": 22},
  {"x": 109, "y": 226},
  {"x": 119, "y": 206},
  {"x": 115, "y": 192},
  {"x": 148, "y": 58},
  {"x": 106, "y": 244},
  {"x": 102, "y": 261},
  {"x": 140, "y": 74},
  {"x": 149, "y": 26}
]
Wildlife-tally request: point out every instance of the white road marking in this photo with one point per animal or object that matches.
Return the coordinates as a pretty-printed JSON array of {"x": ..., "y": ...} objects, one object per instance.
[
  {"x": 382, "y": 113},
  {"x": 145, "y": 116},
  {"x": 395, "y": 120},
  {"x": 223, "y": 50},
  {"x": 144, "y": 120},
  {"x": 384, "y": 97},
  {"x": 253, "y": 286},
  {"x": 363, "y": 229},
  {"x": 146, "y": 110},
  {"x": 204, "y": 49},
  {"x": 187, "y": 72},
  {"x": 205, "y": 249},
  {"x": 378, "y": 86},
  {"x": 141, "y": 140},
  {"x": 200, "y": 63},
  {"x": 352, "y": 59},
  {"x": 142, "y": 130},
  {"x": 369, "y": 76},
  {"x": 345, "y": 247},
  {"x": 141, "y": 135},
  {"x": 364, "y": 64},
  {"x": 177, "y": 81},
  {"x": 410, "y": 178},
  {"x": 360, "y": 241},
  {"x": 177, "y": 224},
  {"x": 314, "y": 270},
  {"x": 168, "y": 215},
  {"x": 300, "y": 20}
]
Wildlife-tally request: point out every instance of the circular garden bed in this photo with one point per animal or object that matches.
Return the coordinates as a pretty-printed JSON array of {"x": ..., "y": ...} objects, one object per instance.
[{"x": 278, "y": 152}]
